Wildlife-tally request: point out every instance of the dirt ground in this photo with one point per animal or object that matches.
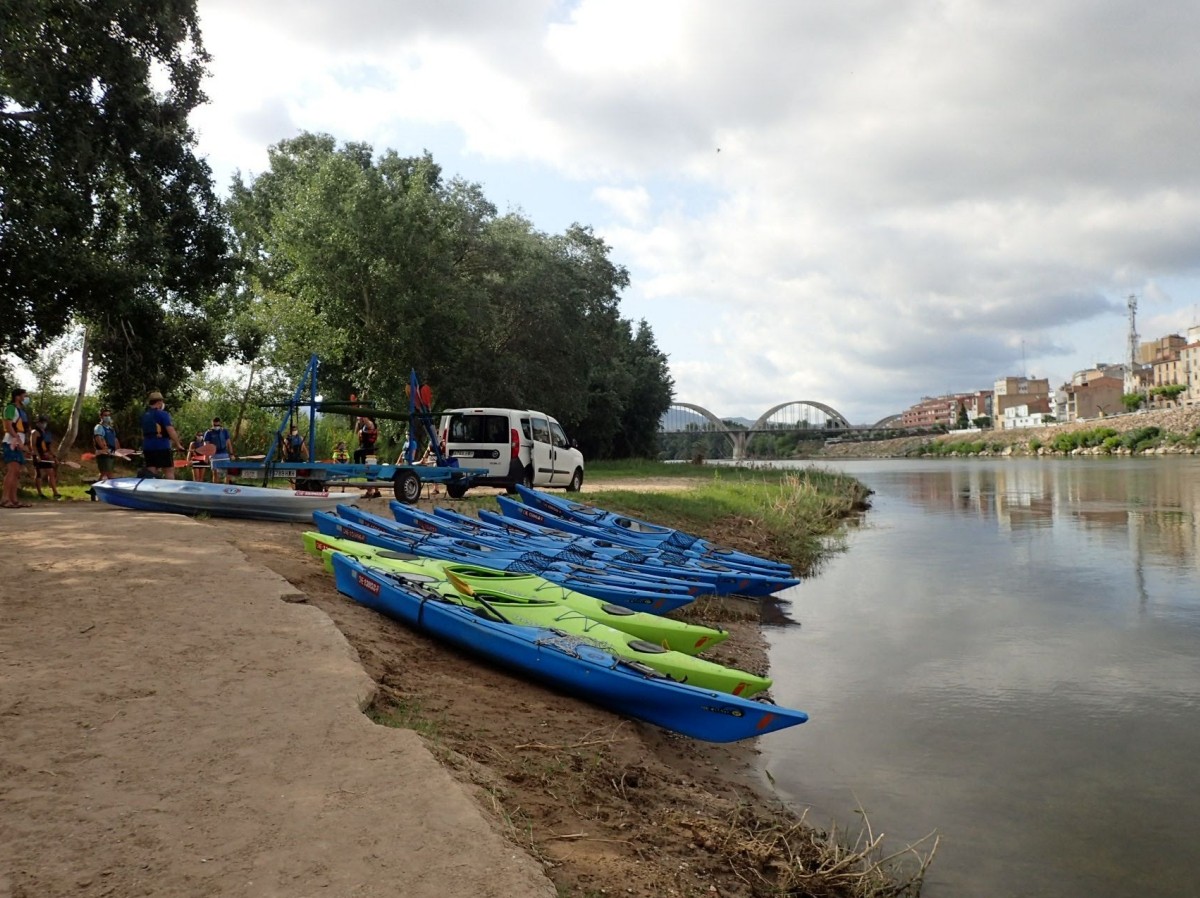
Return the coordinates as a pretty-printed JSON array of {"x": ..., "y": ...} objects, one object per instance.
[{"x": 293, "y": 789}]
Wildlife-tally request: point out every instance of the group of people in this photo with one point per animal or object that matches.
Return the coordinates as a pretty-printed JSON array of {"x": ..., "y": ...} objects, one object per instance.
[
  {"x": 27, "y": 440},
  {"x": 31, "y": 440}
]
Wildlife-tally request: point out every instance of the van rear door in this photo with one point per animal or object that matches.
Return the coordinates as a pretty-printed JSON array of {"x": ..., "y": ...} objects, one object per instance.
[
  {"x": 479, "y": 441},
  {"x": 541, "y": 455}
]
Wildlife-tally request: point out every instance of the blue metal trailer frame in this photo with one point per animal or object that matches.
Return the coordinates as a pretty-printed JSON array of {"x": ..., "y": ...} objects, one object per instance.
[{"x": 317, "y": 476}]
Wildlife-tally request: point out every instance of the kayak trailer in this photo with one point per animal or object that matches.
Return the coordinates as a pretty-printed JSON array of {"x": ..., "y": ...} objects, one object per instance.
[{"x": 318, "y": 476}]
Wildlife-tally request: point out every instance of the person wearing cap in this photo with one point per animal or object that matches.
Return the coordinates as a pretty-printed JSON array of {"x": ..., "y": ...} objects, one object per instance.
[
  {"x": 45, "y": 462},
  {"x": 105, "y": 445},
  {"x": 222, "y": 443},
  {"x": 159, "y": 437},
  {"x": 16, "y": 434}
]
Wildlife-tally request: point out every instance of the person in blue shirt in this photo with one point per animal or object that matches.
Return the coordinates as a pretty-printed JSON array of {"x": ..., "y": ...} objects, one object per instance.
[
  {"x": 16, "y": 437},
  {"x": 159, "y": 437},
  {"x": 105, "y": 444},
  {"x": 218, "y": 437}
]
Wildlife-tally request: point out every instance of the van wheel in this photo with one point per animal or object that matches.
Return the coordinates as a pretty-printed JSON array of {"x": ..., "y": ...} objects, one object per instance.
[
  {"x": 407, "y": 487},
  {"x": 576, "y": 483}
]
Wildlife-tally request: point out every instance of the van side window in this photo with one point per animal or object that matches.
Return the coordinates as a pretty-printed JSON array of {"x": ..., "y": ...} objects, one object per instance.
[
  {"x": 525, "y": 429},
  {"x": 560, "y": 438},
  {"x": 541, "y": 431}
]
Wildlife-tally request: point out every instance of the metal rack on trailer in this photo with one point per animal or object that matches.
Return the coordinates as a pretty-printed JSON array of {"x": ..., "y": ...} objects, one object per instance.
[{"x": 317, "y": 476}]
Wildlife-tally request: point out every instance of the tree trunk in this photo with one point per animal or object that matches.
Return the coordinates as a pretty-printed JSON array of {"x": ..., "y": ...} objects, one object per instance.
[
  {"x": 68, "y": 440},
  {"x": 237, "y": 427}
]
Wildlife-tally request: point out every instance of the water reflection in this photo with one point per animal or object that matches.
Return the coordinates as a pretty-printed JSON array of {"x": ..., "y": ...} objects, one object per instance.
[{"x": 1007, "y": 653}]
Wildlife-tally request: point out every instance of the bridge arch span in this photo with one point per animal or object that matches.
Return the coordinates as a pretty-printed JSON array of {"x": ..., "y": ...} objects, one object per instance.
[
  {"x": 836, "y": 418},
  {"x": 717, "y": 423}
]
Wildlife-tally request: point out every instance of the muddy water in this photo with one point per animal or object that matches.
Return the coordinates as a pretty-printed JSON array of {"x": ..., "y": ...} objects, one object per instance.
[{"x": 1008, "y": 653}]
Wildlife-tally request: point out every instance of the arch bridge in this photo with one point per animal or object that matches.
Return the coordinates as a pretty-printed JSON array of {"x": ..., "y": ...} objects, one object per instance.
[{"x": 803, "y": 416}]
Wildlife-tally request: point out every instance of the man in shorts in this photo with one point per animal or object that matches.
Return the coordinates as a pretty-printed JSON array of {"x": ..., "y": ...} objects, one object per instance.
[
  {"x": 218, "y": 437},
  {"x": 16, "y": 445},
  {"x": 45, "y": 461},
  {"x": 105, "y": 444},
  {"x": 159, "y": 437}
]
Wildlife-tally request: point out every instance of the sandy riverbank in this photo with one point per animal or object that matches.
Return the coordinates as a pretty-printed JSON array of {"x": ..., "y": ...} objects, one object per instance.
[{"x": 181, "y": 718}]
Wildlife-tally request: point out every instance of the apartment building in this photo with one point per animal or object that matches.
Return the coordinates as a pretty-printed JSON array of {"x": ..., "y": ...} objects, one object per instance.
[
  {"x": 1095, "y": 398},
  {"x": 1189, "y": 355},
  {"x": 1013, "y": 391},
  {"x": 934, "y": 410}
]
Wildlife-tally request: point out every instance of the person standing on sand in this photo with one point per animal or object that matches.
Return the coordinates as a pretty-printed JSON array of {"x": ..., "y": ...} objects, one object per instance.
[
  {"x": 16, "y": 434},
  {"x": 158, "y": 437},
  {"x": 222, "y": 443},
  {"x": 45, "y": 462},
  {"x": 106, "y": 444}
]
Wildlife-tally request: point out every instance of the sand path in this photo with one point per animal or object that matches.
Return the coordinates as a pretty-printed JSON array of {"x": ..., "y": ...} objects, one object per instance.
[{"x": 169, "y": 726}]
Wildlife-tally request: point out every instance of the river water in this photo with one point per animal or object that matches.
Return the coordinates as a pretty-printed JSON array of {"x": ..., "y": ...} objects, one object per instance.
[{"x": 1007, "y": 653}]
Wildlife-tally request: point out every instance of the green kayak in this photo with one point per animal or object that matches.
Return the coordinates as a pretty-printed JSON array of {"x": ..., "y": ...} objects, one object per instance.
[
  {"x": 495, "y": 601},
  {"x": 671, "y": 634}
]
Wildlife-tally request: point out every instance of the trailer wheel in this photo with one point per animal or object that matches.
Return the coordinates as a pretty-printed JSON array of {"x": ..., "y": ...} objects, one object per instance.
[
  {"x": 407, "y": 486},
  {"x": 310, "y": 484}
]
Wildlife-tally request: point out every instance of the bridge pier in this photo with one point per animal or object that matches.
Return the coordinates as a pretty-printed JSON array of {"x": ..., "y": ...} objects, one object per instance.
[{"x": 739, "y": 438}]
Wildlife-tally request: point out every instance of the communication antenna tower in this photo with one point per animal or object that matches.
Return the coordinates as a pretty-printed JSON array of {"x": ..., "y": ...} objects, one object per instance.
[{"x": 1131, "y": 377}]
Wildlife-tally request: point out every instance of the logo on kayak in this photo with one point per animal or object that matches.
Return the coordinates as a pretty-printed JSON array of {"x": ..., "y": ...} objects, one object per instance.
[
  {"x": 321, "y": 493},
  {"x": 321, "y": 547},
  {"x": 426, "y": 526},
  {"x": 368, "y": 584},
  {"x": 352, "y": 534},
  {"x": 732, "y": 712},
  {"x": 231, "y": 490}
]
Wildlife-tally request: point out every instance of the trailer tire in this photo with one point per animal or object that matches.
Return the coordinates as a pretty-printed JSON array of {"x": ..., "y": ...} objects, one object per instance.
[
  {"x": 456, "y": 490},
  {"x": 407, "y": 486},
  {"x": 310, "y": 485}
]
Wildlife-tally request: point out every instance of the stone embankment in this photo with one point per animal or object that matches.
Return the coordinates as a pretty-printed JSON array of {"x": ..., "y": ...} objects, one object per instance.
[{"x": 1179, "y": 427}]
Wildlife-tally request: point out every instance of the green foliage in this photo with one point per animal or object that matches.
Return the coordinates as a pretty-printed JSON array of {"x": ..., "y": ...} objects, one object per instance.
[
  {"x": 1169, "y": 391},
  {"x": 106, "y": 214},
  {"x": 962, "y": 422},
  {"x": 1132, "y": 401},
  {"x": 385, "y": 266},
  {"x": 1142, "y": 438},
  {"x": 983, "y": 422},
  {"x": 1034, "y": 444}
]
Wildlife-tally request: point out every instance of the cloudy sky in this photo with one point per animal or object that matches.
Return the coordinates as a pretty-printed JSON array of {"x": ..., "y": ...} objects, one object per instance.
[{"x": 853, "y": 202}]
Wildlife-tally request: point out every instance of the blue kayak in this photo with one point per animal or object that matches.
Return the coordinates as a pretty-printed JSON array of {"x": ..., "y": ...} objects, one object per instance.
[
  {"x": 638, "y": 532},
  {"x": 654, "y": 602},
  {"x": 496, "y": 553},
  {"x": 605, "y": 555},
  {"x": 727, "y": 579},
  {"x": 573, "y": 666},
  {"x": 733, "y": 577}
]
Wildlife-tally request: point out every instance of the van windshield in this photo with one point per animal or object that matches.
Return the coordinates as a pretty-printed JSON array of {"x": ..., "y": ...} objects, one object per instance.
[{"x": 478, "y": 429}]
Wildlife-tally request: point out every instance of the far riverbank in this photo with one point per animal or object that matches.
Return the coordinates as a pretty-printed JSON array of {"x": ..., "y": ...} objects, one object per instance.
[{"x": 1174, "y": 431}]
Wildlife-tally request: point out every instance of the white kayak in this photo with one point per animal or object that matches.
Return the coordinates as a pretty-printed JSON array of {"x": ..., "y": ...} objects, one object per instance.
[{"x": 217, "y": 499}]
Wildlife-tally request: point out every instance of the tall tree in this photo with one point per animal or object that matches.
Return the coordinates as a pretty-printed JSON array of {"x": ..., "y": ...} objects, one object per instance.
[{"x": 106, "y": 214}]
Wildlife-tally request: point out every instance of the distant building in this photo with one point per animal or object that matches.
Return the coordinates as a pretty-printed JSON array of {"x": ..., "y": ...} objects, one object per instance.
[
  {"x": 932, "y": 411},
  {"x": 1015, "y": 391},
  {"x": 1190, "y": 356},
  {"x": 1017, "y": 416},
  {"x": 1095, "y": 398}
]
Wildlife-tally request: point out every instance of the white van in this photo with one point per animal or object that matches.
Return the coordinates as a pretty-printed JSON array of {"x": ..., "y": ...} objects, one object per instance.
[{"x": 515, "y": 445}]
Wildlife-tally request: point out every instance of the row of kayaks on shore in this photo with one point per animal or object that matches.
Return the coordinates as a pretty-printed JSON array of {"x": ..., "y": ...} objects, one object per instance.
[
  {"x": 580, "y": 611},
  {"x": 568, "y": 594}
]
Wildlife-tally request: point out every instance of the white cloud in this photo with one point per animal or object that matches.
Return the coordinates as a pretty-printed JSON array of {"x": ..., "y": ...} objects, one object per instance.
[{"x": 856, "y": 203}]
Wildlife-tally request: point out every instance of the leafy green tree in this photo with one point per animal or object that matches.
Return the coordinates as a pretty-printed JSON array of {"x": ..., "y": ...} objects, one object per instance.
[
  {"x": 381, "y": 266},
  {"x": 1132, "y": 401},
  {"x": 106, "y": 214},
  {"x": 962, "y": 422}
]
